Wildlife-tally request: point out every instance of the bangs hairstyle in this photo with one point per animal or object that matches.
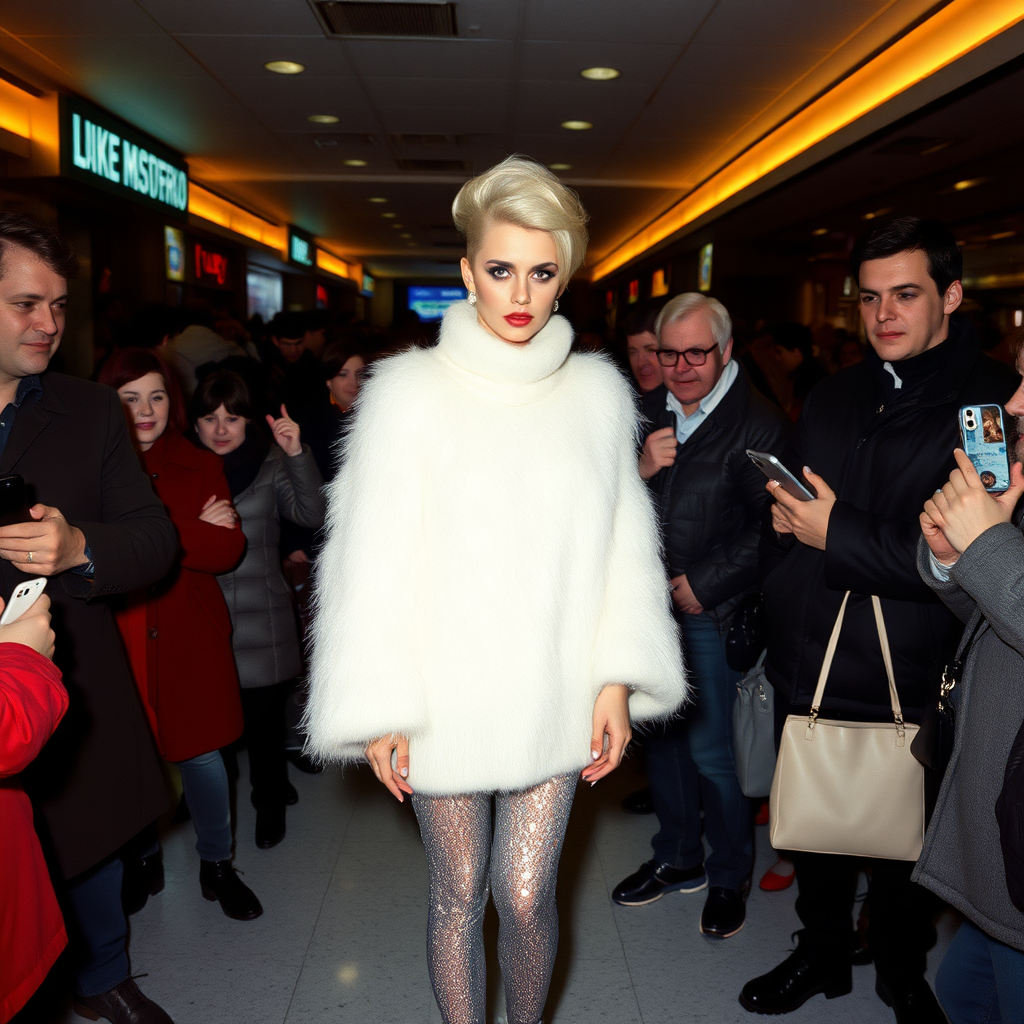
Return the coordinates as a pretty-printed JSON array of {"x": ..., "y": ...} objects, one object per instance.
[
  {"x": 336, "y": 355},
  {"x": 520, "y": 191},
  {"x": 689, "y": 303},
  {"x": 910, "y": 234},
  {"x": 221, "y": 388},
  {"x": 129, "y": 364}
]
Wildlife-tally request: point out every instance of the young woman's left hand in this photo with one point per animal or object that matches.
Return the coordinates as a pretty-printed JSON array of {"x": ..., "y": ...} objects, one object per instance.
[
  {"x": 219, "y": 512},
  {"x": 611, "y": 721},
  {"x": 286, "y": 433}
]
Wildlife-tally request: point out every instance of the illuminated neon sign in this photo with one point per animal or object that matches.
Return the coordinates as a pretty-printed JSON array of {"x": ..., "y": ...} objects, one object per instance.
[
  {"x": 301, "y": 248},
  {"x": 101, "y": 150}
]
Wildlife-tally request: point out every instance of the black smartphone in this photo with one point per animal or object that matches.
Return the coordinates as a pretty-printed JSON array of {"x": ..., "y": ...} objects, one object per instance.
[
  {"x": 983, "y": 438},
  {"x": 13, "y": 500}
]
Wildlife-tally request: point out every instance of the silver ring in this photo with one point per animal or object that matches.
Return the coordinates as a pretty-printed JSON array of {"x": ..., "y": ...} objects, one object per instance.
[{"x": 30, "y": 556}]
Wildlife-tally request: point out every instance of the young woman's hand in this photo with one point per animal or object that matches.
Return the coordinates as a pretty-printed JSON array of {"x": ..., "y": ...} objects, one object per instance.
[
  {"x": 219, "y": 512},
  {"x": 286, "y": 433},
  {"x": 32, "y": 629},
  {"x": 612, "y": 732},
  {"x": 378, "y": 753}
]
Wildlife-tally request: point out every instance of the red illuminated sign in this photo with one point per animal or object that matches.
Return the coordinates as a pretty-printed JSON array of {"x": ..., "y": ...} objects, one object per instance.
[{"x": 210, "y": 267}]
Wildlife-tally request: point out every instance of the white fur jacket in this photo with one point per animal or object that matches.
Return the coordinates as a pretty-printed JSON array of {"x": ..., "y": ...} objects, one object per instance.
[{"x": 492, "y": 561}]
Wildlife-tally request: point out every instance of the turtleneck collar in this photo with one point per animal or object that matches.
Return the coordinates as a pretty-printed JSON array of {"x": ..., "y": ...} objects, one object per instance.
[{"x": 515, "y": 374}]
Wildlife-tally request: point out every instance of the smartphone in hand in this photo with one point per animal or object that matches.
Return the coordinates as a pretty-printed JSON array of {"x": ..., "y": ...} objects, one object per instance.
[
  {"x": 775, "y": 470},
  {"x": 24, "y": 596},
  {"x": 983, "y": 438},
  {"x": 13, "y": 500}
]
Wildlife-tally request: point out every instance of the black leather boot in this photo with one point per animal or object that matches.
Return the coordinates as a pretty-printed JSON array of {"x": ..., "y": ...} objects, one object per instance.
[
  {"x": 270, "y": 825},
  {"x": 911, "y": 999},
  {"x": 143, "y": 877},
  {"x": 123, "y": 1004},
  {"x": 799, "y": 977},
  {"x": 220, "y": 881}
]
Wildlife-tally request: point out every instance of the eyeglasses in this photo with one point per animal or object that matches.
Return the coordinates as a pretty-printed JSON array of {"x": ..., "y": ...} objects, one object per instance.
[{"x": 693, "y": 356}]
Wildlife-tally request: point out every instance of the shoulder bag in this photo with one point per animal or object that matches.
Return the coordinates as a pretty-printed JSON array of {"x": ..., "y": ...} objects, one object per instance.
[
  {"x": 753, "y": 732},
  {"x": 851, "y": 788}
]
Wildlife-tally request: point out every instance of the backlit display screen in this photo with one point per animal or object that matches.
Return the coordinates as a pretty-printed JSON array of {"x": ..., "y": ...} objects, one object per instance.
[{"x": 429, "y": 302}]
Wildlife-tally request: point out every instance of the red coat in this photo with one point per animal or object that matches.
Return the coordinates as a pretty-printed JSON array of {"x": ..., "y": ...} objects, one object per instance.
[
  {"x": 32, "y": 701},
  {"x": 178, "y": 632}
]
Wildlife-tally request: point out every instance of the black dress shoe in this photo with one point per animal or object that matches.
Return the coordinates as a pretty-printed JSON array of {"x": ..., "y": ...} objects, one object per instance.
[
  {"x": 911, "y": 999},
  {"x": 269, "y": 826},
  {"x": 304, "y": 763},
  {"x": 653, "y": 880},
  {"x": 291, "y": 795},
  {"x": 639, "y": 802},
  {"x": 123, "y": 1004},
  {"x": 143, "y": 877},
  {"x": 220, "y": 881},
  {"x": 793, "y": 982},
  {"x": 725, "y": 912}
]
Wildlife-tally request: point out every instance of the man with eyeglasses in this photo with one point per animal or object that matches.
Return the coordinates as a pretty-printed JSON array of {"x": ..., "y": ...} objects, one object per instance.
[{"x": 711, "y": 500}]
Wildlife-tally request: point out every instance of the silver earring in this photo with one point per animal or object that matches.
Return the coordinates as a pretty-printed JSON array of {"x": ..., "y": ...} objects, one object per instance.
[
  {"x": 472, "y": 298},
  {"x": 554, "y": 308}
]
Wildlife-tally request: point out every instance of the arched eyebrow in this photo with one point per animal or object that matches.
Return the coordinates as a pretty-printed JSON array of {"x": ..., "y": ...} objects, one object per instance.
[{"x": 550, "y": 265}]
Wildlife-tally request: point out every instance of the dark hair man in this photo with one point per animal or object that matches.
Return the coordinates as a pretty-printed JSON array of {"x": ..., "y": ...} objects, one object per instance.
[
  {"x": 295, "y": 379},
  {"x": 711, "y": 502},
  {"x": 879, "y": 437},
  {"x": 97, "y": 529},
  {"x": 638, "y": 328}
]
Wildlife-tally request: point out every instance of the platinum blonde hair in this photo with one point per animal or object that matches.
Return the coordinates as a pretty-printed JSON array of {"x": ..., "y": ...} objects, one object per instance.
[
  {"x": 520, "y": 191},
  {"x": 689, "y": 303}
]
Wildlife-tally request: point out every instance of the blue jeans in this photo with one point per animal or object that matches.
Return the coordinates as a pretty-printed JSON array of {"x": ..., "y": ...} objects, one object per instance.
[
  {"x": 690, "y": 765},
  {"x": 980, "y": 980},
  {"x": 205, "y": 782},
  {"x": 102, "y": 959}
]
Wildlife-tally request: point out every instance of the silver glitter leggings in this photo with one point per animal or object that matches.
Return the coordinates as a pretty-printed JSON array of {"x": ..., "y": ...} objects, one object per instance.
[{"x": 520, "y": 864}]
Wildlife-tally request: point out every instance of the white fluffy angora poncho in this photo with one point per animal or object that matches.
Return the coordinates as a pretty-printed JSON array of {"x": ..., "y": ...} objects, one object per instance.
[{"x": 492, "y": 561}]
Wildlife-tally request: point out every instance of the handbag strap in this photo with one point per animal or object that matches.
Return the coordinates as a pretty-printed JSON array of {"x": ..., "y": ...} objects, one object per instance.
[{"x": 826, "y": 666}]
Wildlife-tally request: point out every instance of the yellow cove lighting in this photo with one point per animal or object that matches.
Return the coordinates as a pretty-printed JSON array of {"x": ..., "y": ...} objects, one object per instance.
[
  {"x": 33, "y": 120},
  {"x": 961, "y": 26},
  {"x": 325, "y": 261},
  {"x": 219, "y": 211}
]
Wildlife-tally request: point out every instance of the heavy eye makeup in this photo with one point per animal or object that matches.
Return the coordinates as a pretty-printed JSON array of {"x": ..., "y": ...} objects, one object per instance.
[{"x": 502, "y": 271}]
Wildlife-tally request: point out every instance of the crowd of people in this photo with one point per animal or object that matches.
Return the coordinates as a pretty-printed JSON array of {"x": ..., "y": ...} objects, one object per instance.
[{"x": 182, "y": 505}]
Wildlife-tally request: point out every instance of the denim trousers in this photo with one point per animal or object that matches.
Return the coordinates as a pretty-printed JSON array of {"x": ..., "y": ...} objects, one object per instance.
[
  {"x": 691, "y": 766},
  {"x": 981, "y": 980},
  {"x": 99, "y": 931}
]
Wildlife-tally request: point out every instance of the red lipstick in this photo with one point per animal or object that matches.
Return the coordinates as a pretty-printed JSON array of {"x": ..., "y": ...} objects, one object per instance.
[{"x": 518, "y": 319}]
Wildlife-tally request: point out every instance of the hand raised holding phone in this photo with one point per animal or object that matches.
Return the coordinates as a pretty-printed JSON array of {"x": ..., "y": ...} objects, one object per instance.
[{"x": 31, "y": 628}]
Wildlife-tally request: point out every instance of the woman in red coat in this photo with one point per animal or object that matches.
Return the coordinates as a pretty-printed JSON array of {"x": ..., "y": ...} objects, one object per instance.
[
  {"x": 178, "y": 633},
  {"x": 32, "y": 701}
]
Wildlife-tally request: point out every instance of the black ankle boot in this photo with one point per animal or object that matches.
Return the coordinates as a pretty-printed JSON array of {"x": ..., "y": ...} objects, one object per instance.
[
  {"x": 798, "y": 978},
  {"x": 220, "y": 881},
  {"x": 911, "y": 999},
  {"x": 143, "y": 877},
  {"x": 270, "y": 825}
]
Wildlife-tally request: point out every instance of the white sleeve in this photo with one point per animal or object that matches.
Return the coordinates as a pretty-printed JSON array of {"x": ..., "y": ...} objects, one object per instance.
[{"x": 364, "y": 674}]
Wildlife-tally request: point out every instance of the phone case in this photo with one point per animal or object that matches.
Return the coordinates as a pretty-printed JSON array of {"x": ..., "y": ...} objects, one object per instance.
[
  {"x": 983, "y": 437},
  {"x": 24, "y": 596}
]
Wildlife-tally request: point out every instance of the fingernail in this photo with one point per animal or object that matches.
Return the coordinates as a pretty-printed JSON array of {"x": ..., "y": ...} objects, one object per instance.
[
  {"x": 405, "y": 772},
  {"x": 594, "y": 755},
  {"x": 593, "y": 784},
  {"x": 807, "y": 469}
]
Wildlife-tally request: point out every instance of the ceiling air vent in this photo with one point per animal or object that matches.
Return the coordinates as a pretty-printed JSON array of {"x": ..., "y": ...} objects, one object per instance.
[
  {"x": 371, "y": 18},
  {"x": 432, "y": 165}
]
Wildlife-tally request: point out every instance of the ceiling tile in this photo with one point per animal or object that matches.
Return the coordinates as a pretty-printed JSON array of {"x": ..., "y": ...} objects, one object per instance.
[
  {"x": 245, "y": 55},
  {"x": 788, "y": 23},
  {"x": 466, "y": 94},
  {"x": 287, "y": 119},
  {"x": 305, "y": 95},
  {"x": 652, "y": 21},
  {"x": 563, "y": 61},
  {"x": 60, "y": 18},
  {"x": 432, "y": 58},
  {"x": 231, "y": 17},
  {"x": 443, "y": 120}
]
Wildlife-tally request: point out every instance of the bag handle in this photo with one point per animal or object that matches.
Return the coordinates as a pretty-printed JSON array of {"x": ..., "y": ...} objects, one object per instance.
[{"x": 826, "y": 667}]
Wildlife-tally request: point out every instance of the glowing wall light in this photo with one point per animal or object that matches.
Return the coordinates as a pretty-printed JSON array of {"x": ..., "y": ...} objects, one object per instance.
[
  {"x": 960, "y": 27},
  {"x": 325, "y": 261},
  {"x": 202, "y": 203},
  {"x": 34, "y": 121}
]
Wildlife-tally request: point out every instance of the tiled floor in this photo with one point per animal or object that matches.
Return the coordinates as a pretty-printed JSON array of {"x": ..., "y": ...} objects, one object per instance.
[{"x": 342, "y": 936}]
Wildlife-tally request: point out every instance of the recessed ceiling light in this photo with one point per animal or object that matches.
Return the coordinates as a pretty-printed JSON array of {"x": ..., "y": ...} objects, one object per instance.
[
  {"x": 1001, "y": 234},
  {"x": 323, "y": 118},
  {"x": 878, "y": 213},
  {"x": 355, "y": 163},
  {"x": 285, "y": 67},
  {"x": 560, "y": 167},
  {"x": 577, "y": 126},
  {"x": 398, "y": 227},
  {"x": 820, "y": 231},
  {"x": 600, "y": 74},
  {"x": 405, "y": 236},
  {"x": 377, "y": 199},
  {"x": 961, "y": 186},
  {"x": 389, "y": 214}
]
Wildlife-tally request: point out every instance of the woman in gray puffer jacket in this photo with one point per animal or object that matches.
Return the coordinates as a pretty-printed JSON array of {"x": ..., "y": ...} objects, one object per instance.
[{"x": 267, "y": 482}]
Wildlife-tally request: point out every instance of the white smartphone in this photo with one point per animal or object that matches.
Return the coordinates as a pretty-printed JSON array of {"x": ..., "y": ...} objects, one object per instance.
[
  {"x": 22, "y": 599},
  {"x": 775, "y": 470}
]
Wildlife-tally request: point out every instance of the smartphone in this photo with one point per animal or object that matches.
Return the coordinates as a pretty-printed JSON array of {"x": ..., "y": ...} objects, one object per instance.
[
  {"x": 22, "y": 599},
  {"x": 775, "y": 470},
  {"x": 983, "y": 437},
  {"x": 13, "y": 500}
]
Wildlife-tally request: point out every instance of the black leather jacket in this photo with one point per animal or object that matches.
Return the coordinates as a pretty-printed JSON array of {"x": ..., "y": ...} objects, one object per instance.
[{"x": 711, "y": 500}]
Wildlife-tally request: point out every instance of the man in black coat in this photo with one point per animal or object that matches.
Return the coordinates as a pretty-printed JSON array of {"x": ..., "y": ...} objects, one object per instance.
[
  {"x": 711, "y": 502},
  {"x": 96, "y": 528},
  {"x": 879, "y": 438}
]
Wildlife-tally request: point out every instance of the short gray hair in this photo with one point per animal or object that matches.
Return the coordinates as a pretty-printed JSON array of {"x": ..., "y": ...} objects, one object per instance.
[{"x": 689, "y": 303}]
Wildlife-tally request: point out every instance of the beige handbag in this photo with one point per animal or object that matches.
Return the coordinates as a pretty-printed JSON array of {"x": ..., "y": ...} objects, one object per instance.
[{"x": 852, "y": 788}]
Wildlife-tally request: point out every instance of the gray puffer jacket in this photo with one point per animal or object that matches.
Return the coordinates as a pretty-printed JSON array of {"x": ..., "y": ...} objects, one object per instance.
[
  {"x": 962, "y": 860},
  {"x": 265, "y": 638}
]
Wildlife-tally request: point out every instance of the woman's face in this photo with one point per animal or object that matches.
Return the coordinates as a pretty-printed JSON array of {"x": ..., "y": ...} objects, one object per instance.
[
  {"x": 221, "y": 431},
  {"x": 344, "y": 385},
  {"x": 147, "y": 402},
  {"x": 516, "y": 278}
]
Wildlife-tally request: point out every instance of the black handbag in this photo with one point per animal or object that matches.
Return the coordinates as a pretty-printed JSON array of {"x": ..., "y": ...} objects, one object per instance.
[
  {"x": 933, "y": 744},
  {"x": 747, "y": 634},
  {"x": 1010, "y": 815}
]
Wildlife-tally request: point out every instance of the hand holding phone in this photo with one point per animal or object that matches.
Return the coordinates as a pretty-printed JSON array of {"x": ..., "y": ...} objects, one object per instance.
[
  {"x": 983, "y": 438},
  {"x": 775, "y": 470},
  {"x": 31, "y": 627},
  {"x": 24, "y": 596}
]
